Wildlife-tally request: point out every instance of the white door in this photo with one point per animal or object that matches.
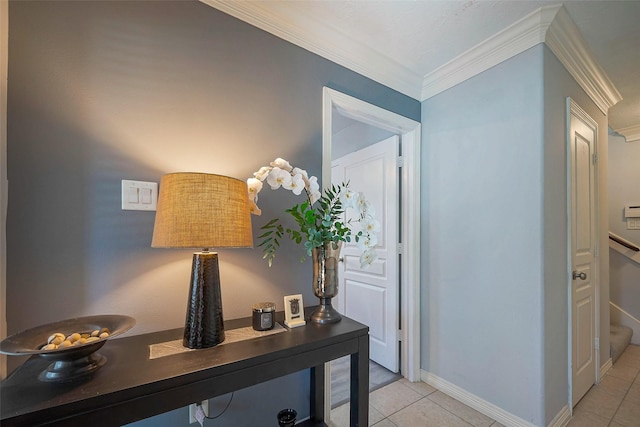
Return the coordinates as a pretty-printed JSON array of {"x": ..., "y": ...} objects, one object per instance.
[
  {"x": 582, "y": 150},
  {"x": 370, "y": 295}
]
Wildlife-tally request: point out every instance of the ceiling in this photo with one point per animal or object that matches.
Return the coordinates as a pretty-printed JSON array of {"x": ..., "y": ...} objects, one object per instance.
[{"x": 407, "y": 45}]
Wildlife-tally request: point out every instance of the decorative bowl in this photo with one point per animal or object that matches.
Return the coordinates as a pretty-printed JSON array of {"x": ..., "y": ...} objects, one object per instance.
[{"x": 72, "y": 362}]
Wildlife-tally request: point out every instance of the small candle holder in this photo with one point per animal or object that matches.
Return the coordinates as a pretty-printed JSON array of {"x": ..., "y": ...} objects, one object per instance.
[{"x": 263, "y": 316}]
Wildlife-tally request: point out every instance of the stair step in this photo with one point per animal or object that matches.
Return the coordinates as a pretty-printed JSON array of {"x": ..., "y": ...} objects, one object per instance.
[{"x": 620, "y": 337}]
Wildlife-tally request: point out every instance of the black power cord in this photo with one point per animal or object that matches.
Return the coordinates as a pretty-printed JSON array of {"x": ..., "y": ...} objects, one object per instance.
[{"x": 223, "y": 411}]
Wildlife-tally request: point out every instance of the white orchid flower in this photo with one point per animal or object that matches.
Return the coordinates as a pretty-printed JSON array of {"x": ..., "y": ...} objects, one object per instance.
[
  {"x": 369, "y": 211},
  {"x": 348, "y": 199},
  {"x": 338, "y": 198},
  {"x": 296, "y": 184},
  {"x": 367, "y": 258},
  {"x": 278, "y": 177},
  {"x": 305, "y": 175},
  {"x": 362, "y": 205},
  {"x": 254, "y": 209},
  {"x": 314, "y": 197},
  {"x": 368, "y": 241},
  {"x": 262, "y": 173},
  {"x": 254, "y": 186},
  {"x": 313, "y": 186},
  {"x": 282, "y": 164},
  {"x": 370, "y": 225}
]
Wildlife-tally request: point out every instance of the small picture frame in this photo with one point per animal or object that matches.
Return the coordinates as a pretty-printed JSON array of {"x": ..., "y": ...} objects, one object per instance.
[{"x": 294, "y": 311}]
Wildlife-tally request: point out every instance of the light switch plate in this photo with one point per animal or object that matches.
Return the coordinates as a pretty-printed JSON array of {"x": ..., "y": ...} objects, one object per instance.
[{"x": 139, "y": 195}]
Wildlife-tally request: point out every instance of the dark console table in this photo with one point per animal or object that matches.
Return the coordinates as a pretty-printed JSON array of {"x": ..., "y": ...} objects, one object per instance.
[{"x": 132, "y": 387}]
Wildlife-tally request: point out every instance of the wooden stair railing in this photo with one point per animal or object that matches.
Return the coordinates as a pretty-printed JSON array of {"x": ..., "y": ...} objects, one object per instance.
[{"x": 623, "y": 242}]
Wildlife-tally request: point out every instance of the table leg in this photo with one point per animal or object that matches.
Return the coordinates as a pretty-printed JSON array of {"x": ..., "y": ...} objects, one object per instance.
[
  {"x": 316, "y": 405},
  {"x": 359, "y": 414}
]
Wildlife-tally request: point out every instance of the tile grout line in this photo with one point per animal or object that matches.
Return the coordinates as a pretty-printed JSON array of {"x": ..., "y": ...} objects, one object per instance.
[
  {"x": 623, "y": 397},
  {"x": 455, "y": 415},
  {"x": 435, "y": 403},
  {"x": 404, "y": 407},
  {"x": 426, "y": 396}
]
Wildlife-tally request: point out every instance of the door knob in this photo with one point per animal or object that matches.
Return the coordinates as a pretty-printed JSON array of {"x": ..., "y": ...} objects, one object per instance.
[{"x": 581, "y": 276}]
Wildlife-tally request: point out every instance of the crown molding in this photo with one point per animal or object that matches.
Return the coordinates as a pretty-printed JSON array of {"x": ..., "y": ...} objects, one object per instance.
[
  {"x": 566, "y": 42},
  {"x": 551, "y": 25},
  {"x": 631, "y": 133},
  {"x": 515, "y": 39},
  {"x": 325, "y": 41}
]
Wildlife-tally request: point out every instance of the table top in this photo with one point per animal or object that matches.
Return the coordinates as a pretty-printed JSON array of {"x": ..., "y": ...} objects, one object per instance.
[{"x": 129, "y": 374}]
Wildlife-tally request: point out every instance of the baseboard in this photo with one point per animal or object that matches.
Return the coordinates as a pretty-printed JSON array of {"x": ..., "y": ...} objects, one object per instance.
[
  {"x": 489, "y": 409},
  {"x": 604, "y": 369},
  {"x": 562, "y": 418},
  {"x": 619, "y": 316},
  {"x": 477, "y": 403}
]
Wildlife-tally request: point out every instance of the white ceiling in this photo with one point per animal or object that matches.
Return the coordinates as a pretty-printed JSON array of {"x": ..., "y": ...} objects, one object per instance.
[{"x": 412, "y": 41}]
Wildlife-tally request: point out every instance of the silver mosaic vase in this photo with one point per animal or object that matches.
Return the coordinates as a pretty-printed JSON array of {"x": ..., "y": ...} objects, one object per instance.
[{"x": 325, "y": 282}]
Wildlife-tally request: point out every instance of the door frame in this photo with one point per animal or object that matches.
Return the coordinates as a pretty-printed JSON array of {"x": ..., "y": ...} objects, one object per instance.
[
  {"x": 573, "y": 108},
  {"x": 410, "y": 132}
]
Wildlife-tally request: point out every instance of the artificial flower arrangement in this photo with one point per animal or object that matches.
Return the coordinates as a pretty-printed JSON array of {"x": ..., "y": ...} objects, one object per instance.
[{"x": 320, "y": 216}]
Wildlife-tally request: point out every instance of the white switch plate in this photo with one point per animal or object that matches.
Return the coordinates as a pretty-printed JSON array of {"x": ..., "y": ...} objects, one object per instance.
[
  {"x": 139, "y": 195},
  {"x": 633, "y": 223}
]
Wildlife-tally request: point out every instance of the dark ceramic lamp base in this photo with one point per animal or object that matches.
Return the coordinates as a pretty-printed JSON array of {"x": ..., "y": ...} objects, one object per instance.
[{"x": 204, "y": 325}]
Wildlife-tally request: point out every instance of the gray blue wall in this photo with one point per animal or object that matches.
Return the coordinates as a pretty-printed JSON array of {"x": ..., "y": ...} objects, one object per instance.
[
  {"x": 104, "y": 91},
  {"x": 494, "y": 278},
  {"x": 482, "y": 187}
]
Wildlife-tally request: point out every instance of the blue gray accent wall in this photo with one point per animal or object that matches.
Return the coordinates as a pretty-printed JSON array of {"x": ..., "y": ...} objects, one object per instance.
[
  {"x": 494, "y": 245},
  {"x": 482, "y": 242},
  {"x": 103, "y": 91}
]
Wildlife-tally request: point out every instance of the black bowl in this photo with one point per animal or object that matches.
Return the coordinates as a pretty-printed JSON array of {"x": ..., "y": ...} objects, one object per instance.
[{"x": 69, "y": 363}]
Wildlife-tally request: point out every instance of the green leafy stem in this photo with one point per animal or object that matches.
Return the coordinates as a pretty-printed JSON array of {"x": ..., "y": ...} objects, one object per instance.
[{"x": 318, "y": 225}]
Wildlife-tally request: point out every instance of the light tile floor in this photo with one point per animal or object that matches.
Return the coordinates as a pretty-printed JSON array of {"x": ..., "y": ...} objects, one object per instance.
[
  {"x": 404, "y": 403},
  {"x": 615, "y": 402}
]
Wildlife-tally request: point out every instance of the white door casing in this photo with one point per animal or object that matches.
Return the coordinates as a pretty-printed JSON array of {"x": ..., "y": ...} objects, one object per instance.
[
  {"x": 583, "y": 246},
  {"x": 370, "y": 295},
  {"x": 410, "y": 131}
]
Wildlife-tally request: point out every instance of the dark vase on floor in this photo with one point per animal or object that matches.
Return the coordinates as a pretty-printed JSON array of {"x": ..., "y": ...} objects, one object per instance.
[{"x": 287, "y": 417}]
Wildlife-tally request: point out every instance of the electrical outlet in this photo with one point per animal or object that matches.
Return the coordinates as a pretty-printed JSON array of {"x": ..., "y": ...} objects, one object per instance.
[{"x": 194, "y": 407}]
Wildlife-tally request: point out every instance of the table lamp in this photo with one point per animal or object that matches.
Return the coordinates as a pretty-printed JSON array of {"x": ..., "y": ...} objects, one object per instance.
[{"x": 203, "y": 211}]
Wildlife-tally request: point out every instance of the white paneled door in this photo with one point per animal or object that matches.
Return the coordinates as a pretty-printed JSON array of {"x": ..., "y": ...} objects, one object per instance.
[
  {"x": 370, "y": 295},
  {"x": 582, "y": 151}
]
